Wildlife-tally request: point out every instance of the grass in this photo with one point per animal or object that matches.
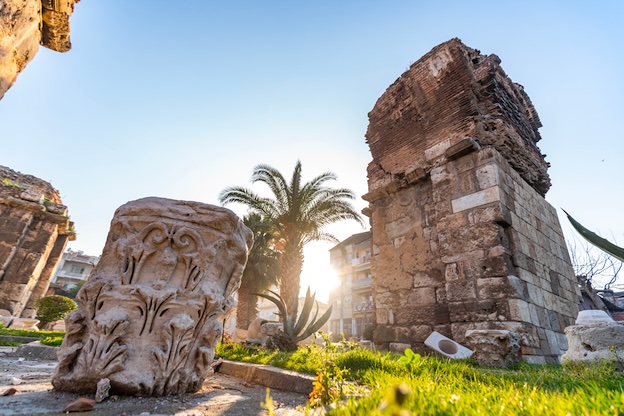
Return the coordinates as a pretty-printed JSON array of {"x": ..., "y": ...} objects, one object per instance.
[
  {"x": 53, "y": 341},
  {"x": 433, "y": 386},
  {"x": 28, "y": 333}
]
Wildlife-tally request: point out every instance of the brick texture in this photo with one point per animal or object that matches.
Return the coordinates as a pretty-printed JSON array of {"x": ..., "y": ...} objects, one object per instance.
[{"x": 462, "y": 235}]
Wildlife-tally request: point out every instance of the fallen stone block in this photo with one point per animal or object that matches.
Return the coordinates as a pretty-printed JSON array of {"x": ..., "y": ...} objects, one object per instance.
[
  {"x": 595, "y": 342},
  {"x": 266, "y": 375},
  {"x": 495, "y": 348},
  {"x": 446, "y": 346}
]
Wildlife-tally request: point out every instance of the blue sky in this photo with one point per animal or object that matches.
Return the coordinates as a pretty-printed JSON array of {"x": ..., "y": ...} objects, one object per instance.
[{"x": 181, "y": 99}]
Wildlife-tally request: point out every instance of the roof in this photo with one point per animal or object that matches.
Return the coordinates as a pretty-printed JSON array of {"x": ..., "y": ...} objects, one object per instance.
[{"x": 353, "y": 240}]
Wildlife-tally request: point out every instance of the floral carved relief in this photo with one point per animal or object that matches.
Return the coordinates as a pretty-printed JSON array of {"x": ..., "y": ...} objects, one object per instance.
[{"x": 150, "y": 315}]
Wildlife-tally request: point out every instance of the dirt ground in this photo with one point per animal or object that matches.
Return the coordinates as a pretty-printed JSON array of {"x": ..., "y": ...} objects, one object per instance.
[{"x": 220, "y": 395}]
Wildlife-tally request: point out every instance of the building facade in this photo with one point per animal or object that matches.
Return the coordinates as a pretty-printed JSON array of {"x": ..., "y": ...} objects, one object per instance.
[
  {"x": 74, "y": 268},
  {"x": 352, "y": 316}
]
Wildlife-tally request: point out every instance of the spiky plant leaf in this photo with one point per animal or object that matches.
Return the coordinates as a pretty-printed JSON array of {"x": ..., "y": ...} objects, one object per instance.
[
  {"x": 315, "y": 326},
  {"x": 276, "y": 300},
  {"x": 305, "y": 312},
  {"x": 603, "y": 244}
]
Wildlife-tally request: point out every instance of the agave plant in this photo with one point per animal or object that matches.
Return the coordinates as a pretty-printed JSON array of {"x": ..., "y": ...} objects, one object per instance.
[
  {"x": 295, "y": 330},
  {"x": 603, "y": 244}
]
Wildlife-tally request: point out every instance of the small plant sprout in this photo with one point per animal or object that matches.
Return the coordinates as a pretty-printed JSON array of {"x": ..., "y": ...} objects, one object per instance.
[
  {"x": 409, "y": 359},
  {"x": 9, "y": 182}
]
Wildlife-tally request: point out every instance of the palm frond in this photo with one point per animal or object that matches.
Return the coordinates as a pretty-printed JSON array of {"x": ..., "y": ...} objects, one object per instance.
[{"x": 602, "y": 243}]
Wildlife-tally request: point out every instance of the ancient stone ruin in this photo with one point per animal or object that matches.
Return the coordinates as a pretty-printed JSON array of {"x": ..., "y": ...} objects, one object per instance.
[
  {"x": 595, "y": 337},
  {"x": 150, "y": 314},
  {"x": 462, "y": 236},
  {"x": 34, "y": 230},
  {"x": 24, "y": 25}
]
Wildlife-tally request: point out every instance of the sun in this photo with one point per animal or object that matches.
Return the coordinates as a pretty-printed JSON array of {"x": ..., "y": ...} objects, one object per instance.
[{"x": 318, "y": 274}]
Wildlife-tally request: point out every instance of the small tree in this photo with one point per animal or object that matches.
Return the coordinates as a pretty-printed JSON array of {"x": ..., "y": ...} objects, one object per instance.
[
  {"x": 52, "y": 308},
  {"x": 593, "y": 265}
]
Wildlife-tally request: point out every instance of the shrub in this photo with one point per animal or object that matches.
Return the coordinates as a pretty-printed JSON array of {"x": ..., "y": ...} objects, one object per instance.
[{"x": 52, "y": 308}]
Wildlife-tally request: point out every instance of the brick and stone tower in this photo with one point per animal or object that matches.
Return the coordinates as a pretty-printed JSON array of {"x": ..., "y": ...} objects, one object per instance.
[
  {"x": 462, "y": 237},
  {"x": 34, "y": 230}
]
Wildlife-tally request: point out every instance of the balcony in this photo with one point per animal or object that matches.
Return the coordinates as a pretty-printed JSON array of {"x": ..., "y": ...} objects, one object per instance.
[
  {"x": 363, "y": 283},
  {"x": 72, "y": 275},
  {"x": 363, "y": 307},
  {"x": 358, "y": 261}
]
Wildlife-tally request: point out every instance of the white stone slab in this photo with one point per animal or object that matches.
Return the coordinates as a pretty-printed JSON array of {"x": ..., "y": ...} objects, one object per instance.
[
  {"x": 476, "y": 199},
  {"x": 592, "y": 316},
  {"x": 437, "y": 150},
  {"x": 447, "y": 347}
]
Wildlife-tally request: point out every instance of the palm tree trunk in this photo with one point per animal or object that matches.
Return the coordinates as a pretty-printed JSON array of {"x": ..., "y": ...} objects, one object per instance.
[
  {"x": 290, "y": 271},
  {"x": 246, "y": 311}
]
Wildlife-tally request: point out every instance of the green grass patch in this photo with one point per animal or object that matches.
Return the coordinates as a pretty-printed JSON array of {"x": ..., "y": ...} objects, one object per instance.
[
  {"x": 434, "y": 386},
  {"x": 31, "y": 334},
  {"x": 4, "y": 343},
  {"x": 54, "y": 341}
]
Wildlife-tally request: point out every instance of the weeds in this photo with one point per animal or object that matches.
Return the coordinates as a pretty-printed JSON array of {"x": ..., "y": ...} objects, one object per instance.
[
  {"x": 9, "y": 182},
  {"x": 267, "y": 404}
]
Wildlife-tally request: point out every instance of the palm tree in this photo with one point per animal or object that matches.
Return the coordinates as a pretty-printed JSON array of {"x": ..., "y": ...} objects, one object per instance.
[
  {"x": 261, "y": 270},
  {"x": 298, "y": 213}
]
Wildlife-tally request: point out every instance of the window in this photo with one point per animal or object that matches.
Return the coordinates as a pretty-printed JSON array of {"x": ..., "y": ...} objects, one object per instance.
[
  {"x": 348, "y": 330},
  {"x": 77, "y": 269}
]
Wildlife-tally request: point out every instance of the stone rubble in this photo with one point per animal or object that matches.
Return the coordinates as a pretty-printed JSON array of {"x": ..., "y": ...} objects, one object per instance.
[{"x": 595, "y": 337}]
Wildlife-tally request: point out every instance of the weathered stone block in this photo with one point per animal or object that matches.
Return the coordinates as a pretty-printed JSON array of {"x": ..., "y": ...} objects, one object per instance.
[
  {"x": 476, "y": 199},
  {"x": 492, "y": 288},
  {"x": 149, "y": 317},
  {"x": 399, "y": 347},
  {"x": 460, "y": 290},
  {"x": 519, "y": 310},
  {"x": 419, "y": 333},
  {"x": 478, "y": 311},
  {"x": 421, "y": 296},
  {"x": 495, "y": 348},
  {"x": 595, "y": 341},
  {"x": 462, "y": 148}
]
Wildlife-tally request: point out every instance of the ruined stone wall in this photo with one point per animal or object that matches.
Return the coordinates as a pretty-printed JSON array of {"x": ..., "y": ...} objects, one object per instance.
[
  {"x": 19, "y": 38},
  {"x": 34, "y": 230},
  {"x": 462, "y": 237},
  {"x": 24, "y": 25}
]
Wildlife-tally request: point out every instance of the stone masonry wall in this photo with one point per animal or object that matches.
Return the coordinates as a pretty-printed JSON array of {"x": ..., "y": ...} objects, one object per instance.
[
  {"x": 462, "y": 237},
  {"x": 34, "y": 229},
  {"x": 19, "y": 38},
  {"x": 24, "y": 25}
]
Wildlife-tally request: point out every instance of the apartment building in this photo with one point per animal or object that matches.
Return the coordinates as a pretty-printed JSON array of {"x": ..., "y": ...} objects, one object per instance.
[
  {"x": 353, "y": 297},
  {"x": 74, "y": 267}
]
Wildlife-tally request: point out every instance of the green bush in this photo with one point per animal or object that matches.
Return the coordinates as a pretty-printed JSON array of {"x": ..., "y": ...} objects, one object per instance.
[{"x": 52, "y": 308}]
